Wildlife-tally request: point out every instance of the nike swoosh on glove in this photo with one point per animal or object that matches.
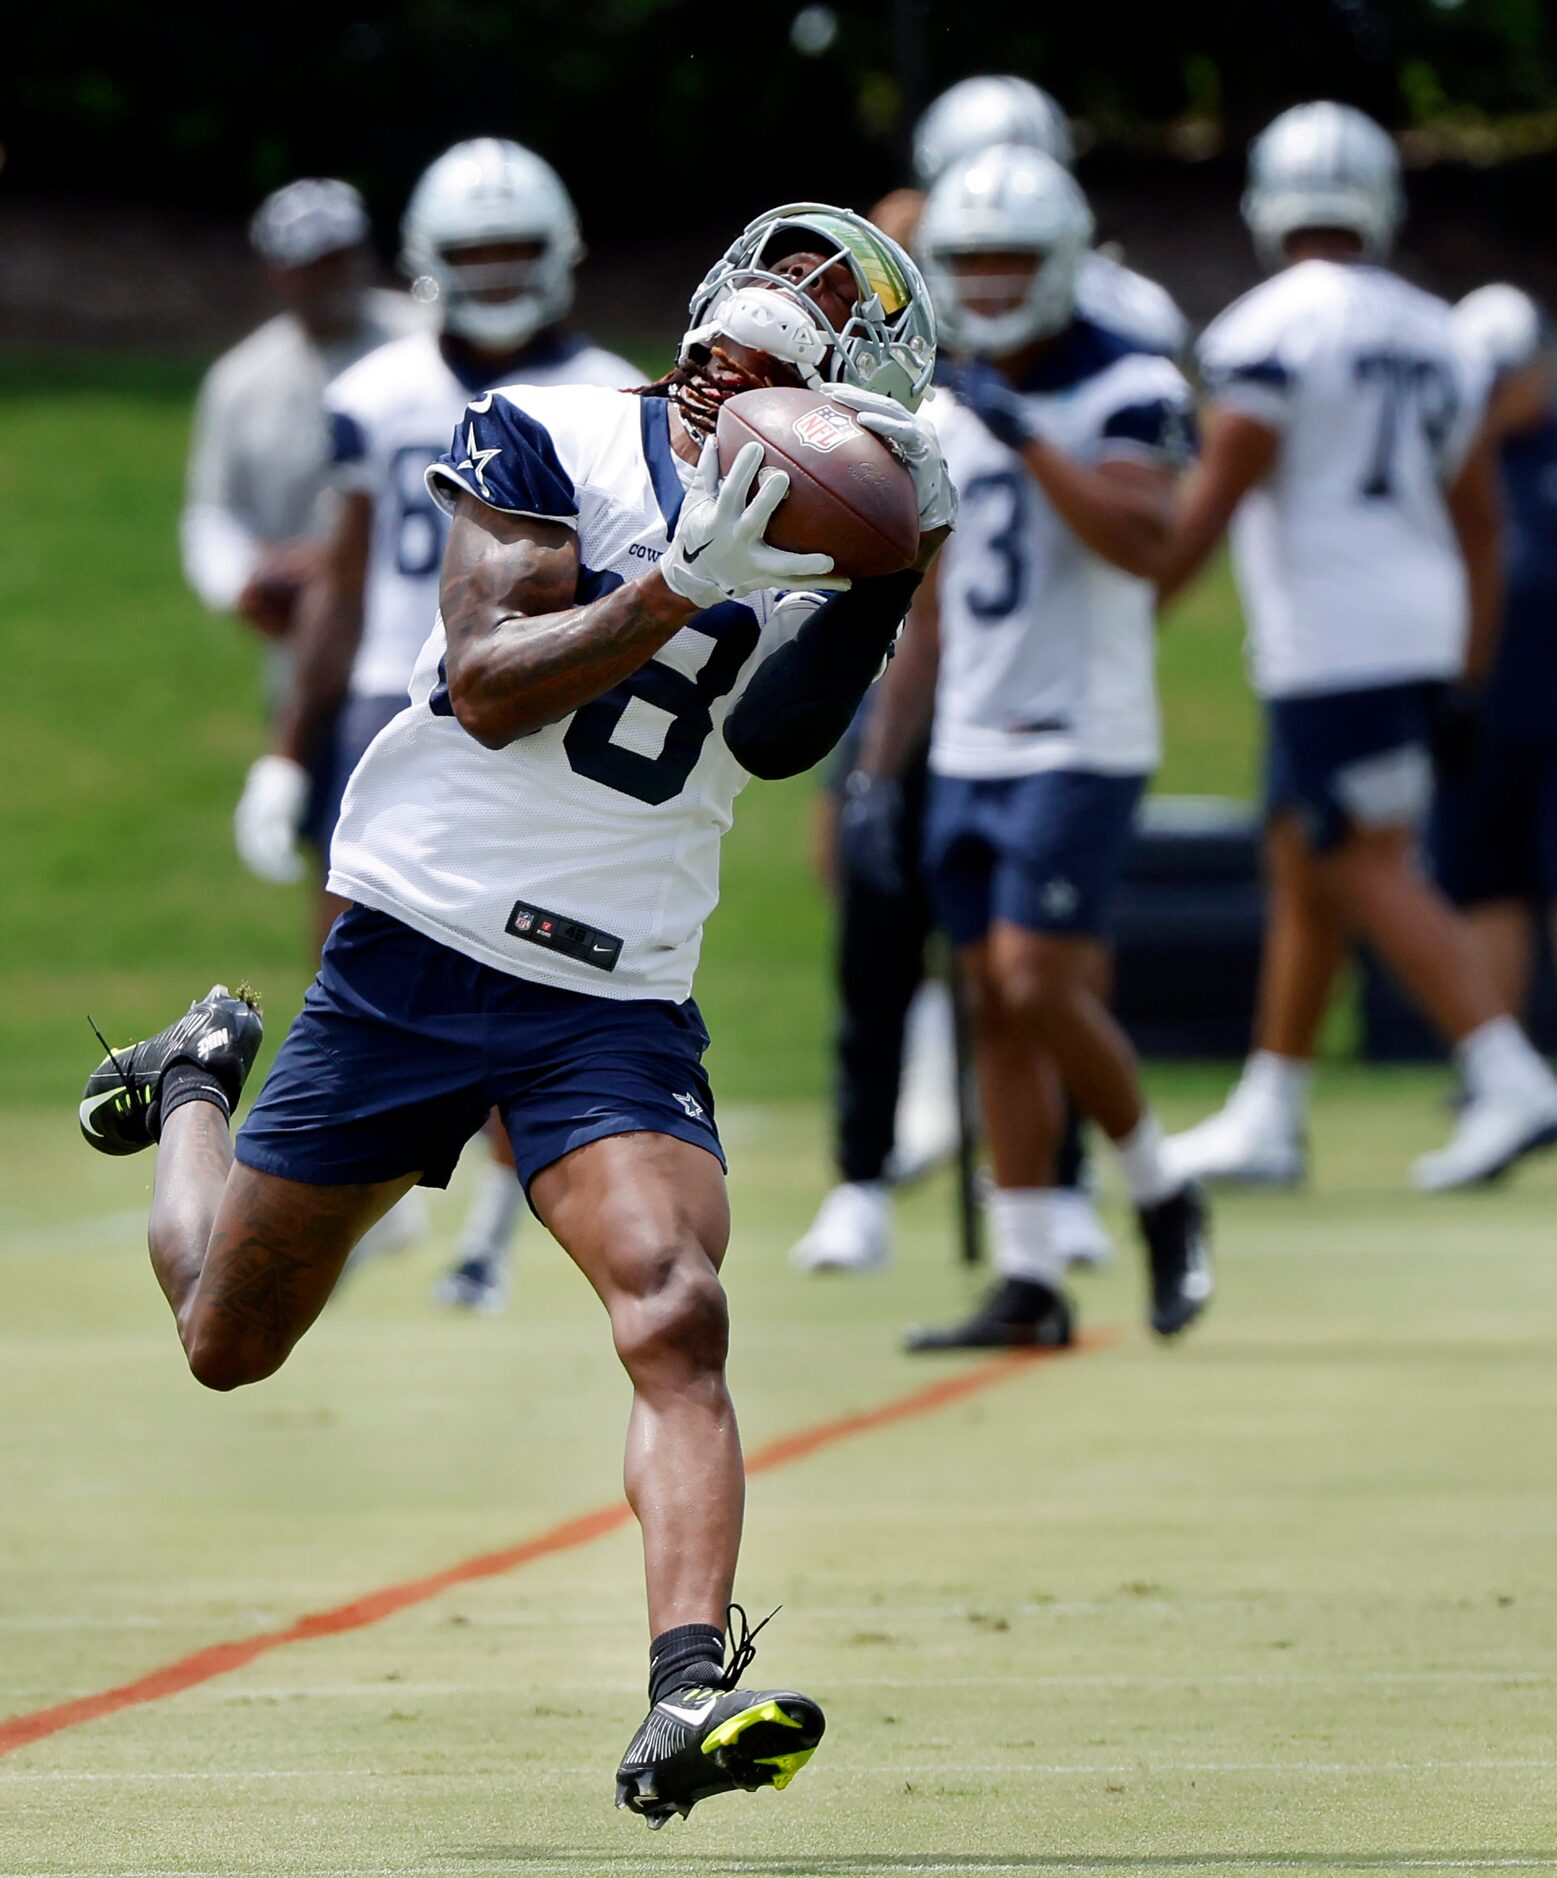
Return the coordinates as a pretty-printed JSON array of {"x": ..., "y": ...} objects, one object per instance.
[{"x": 718, "y": 552}]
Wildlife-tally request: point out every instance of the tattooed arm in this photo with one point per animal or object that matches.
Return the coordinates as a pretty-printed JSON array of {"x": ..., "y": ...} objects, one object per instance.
[{"x": 521, "y": 653}]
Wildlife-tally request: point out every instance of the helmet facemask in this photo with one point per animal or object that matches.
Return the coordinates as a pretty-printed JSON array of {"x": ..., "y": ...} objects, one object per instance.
[
  {"x": 999, "y": 311},
  {"x": 882, "y": 339},
  {"x": 527, "y": 291}
]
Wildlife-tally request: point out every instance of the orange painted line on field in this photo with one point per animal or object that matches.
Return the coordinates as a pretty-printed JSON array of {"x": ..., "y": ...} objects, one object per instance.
[{"x": 220, "y": 1659}]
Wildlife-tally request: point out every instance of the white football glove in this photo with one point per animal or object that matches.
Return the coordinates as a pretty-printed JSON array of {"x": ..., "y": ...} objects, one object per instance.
[
  {"x": 718, "y": 553},
  {"x": 269, "y": 814},
  {"x": 912, "y": 440}
]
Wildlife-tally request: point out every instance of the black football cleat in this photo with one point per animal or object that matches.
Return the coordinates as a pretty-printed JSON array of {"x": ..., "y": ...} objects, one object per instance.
[
  {"x": 1177, "y": 1232},
  {"x": 1018, "y": 1314},
  {"x": 220, "y": 1033},
  {"x": 697, "y": 1742}
]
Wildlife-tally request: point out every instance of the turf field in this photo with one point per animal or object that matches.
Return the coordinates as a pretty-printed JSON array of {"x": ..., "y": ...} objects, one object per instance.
[{"x": 1281, "y": 1598}]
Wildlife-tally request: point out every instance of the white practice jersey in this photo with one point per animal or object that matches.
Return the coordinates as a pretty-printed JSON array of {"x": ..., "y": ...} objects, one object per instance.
[
  {"x": 585, "y": 855},
  {"x": 390, "y": 417},
  {"x": 1048, "y": 652},
  {"x": 1114, "y": 296},
  {"x": 1346, "y": 560}
]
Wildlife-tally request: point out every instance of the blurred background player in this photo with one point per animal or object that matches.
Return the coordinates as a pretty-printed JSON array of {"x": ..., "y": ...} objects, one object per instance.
[
  {"x": 1340, "y": 445},
  {"x": 491, "y": 239},
  {"x": 894, "y": 1108},
  {"x": 1494, "y": 826},
  {"x": 251, "y": 527},
  {"x": 1036, "y": 640}
]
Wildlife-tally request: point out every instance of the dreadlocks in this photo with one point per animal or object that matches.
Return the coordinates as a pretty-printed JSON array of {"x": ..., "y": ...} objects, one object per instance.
[{"x": 702, "y": 382}]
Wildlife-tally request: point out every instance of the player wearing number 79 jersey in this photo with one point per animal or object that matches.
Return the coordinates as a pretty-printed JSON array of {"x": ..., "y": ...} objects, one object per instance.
[{"x": 1342, "y": 445}]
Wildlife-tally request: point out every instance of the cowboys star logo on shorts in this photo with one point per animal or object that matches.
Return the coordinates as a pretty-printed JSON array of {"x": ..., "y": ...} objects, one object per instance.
[
  {"x": 824, "y": 427},
  {"x": 1060, "y": 897},
  {"x": 477, "y": 460},
  {"x": 693, "y": 1107}
]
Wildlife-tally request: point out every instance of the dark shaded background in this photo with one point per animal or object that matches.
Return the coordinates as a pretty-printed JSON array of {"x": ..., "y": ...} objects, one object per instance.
[{"x": 132, "y": 136}]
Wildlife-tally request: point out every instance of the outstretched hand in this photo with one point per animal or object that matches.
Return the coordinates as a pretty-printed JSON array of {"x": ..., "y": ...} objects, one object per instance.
[{"x": 719, "y": 552}]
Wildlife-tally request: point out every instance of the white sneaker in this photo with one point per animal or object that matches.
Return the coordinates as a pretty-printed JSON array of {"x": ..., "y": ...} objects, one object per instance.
[
  {"x": 1493, "y": 1132},
  {"x": 925, "y": 1129},
  {"x": 852, "y": 1231},
  {"x": 1241, "y": 1143},
  {"x": 1080, "y": 1237}
]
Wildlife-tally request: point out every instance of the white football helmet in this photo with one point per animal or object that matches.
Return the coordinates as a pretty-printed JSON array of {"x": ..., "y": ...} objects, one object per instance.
[
  {"x": 491, "y": 190},
  {"x": 1006, "y": 200},
  {"x": 979, "y": 112},
  {"x": 887, "y": 343},
  {"x": 1323, "y": 166}
]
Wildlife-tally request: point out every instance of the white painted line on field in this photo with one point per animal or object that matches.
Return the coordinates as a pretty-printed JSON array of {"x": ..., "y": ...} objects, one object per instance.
[
  {"x": 400, "y": 1689},
  {"x": 907, "y": 1770},
  {"x": 859, "y": 1864}
]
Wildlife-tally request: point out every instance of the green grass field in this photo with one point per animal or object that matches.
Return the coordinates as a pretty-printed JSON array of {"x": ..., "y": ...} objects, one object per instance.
[{"x": 1281, "y": 1598}]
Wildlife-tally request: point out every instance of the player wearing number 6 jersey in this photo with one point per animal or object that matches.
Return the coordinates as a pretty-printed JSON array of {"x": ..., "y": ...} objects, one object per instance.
[
  {"x": 1342, "y": 445},
  {"x": 531, "y": 849}
]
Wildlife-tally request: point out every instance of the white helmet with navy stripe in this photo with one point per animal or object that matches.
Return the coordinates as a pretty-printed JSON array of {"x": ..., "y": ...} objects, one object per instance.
[
  {"x": 1323, "y": 166},
  {"x": 979, "y": 112},
  {"x": 487, "y": 191},
  {"x": 1007, "y": 200}
]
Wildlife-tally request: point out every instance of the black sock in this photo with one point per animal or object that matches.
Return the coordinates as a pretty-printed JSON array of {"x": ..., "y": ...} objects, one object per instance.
[
  {"x": 689, "y": 1655},
  {"x": 181, "y": 1083}
]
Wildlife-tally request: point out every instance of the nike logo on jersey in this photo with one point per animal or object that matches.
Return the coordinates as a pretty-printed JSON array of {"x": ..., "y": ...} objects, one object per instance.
[{"x": 477, "y": 460}]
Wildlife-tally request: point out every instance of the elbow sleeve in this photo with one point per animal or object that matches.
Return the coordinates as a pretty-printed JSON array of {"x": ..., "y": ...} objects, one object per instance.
[{"x": 803, "y": 697}]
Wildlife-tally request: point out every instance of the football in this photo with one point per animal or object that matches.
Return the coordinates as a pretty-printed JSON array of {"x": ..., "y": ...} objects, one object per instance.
[{"x": 848, "y": 496}]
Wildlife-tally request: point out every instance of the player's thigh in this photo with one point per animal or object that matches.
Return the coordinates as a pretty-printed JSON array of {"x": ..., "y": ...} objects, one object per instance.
[
  {"x": 276, "y": 1251},
  {"x": 646, "y": 1218}
]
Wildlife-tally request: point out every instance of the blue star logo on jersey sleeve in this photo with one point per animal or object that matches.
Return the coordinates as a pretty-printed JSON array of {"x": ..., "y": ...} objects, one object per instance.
[{"x": 477, "y": 459}]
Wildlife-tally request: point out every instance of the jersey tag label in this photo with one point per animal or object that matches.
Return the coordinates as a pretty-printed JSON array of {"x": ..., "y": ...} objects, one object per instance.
[{"x": 555, "y": 933}]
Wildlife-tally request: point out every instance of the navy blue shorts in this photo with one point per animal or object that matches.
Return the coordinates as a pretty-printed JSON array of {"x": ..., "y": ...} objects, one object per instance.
[
  {"x": 1493, "y": 834},
  {"x": 1044, "y": 852},
  {"x": 359, "y": 722},
  {"x": 404, "y": 1046},
  {"x": 1351, "y": 759}
]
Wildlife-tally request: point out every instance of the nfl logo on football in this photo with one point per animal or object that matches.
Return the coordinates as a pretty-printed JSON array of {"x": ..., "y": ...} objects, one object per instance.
[{"x": 824, "y": 427}]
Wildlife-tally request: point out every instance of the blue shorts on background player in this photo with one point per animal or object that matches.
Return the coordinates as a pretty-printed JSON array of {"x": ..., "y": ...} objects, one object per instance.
[{"x": 1494, "y": 828}]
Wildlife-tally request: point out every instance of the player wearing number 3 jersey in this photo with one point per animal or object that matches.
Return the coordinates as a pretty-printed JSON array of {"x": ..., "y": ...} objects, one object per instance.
[
  {"x": 531, "y": 850},
  {"x": 1342, "y": 445}
]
